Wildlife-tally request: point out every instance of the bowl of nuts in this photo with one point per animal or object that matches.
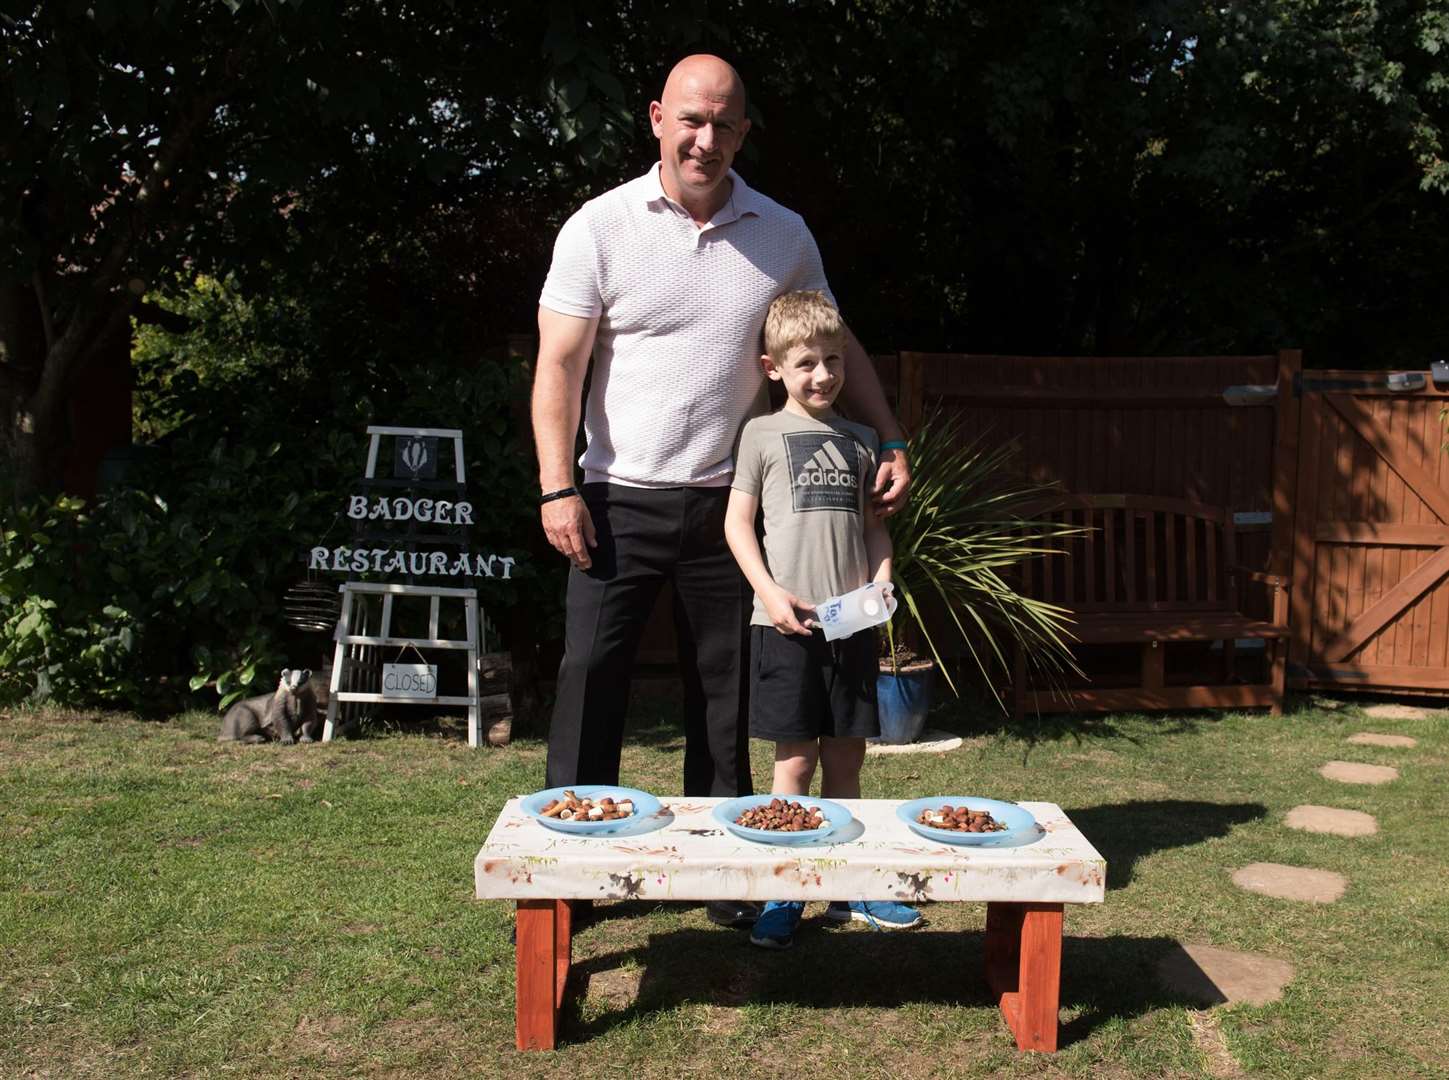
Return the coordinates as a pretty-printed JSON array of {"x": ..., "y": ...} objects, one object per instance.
[
  {"x": 966, "y": 819},
  {"x": 589, "y": 809},
  {"x": 781, "y": 819}
]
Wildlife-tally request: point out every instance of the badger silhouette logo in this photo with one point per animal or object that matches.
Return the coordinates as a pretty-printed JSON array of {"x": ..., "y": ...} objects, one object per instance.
[
  {"x": 416, "y": 457},
  {"x": 415, "y": 454},
  {"x": 824, "y": 471}
]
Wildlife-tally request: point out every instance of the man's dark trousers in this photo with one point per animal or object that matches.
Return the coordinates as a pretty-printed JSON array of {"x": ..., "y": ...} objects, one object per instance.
[{"x": 647, "y": 536}]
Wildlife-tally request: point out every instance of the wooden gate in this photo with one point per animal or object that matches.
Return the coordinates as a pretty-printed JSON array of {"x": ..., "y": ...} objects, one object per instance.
[{"x": 1370, "y": 593}]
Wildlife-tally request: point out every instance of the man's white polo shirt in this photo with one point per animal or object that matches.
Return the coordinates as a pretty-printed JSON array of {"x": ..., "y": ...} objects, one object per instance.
[{"x": 677, "y": 355}]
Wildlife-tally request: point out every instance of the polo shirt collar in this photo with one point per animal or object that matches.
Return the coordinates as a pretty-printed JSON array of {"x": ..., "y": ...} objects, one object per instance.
[{"x": 743, "y": 198}]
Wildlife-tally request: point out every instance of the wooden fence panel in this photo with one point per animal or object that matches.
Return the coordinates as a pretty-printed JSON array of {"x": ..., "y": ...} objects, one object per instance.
[
  {"x": 1132, "y": 425},
  {"x": 1138, "y": 425},
  {"x": 1153, "y": 426}
]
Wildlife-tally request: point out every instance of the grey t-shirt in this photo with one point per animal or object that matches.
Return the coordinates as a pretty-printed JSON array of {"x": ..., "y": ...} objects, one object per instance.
[{"x": 811, "y": 477}]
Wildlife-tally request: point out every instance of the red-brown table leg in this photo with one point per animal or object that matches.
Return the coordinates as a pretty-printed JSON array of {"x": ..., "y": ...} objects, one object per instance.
[
  {"x": 544, "y": 933},
  {"x": 1024, "y": 969}
]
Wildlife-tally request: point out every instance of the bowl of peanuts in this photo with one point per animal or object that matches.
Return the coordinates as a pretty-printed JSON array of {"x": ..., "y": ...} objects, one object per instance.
[
  {"x": 781, "y": 819},
  {"x": 590, "y": 809},
  {"x": 967, "y": 819}
]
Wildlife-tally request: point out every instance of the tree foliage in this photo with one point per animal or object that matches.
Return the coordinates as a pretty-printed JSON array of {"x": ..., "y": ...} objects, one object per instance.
[
  {"x": 143, "y": 140},
  {"x": 1096, "y": 177},
  {"x": 315, "y": 215},
  {"x": 1169, "y": 177}
]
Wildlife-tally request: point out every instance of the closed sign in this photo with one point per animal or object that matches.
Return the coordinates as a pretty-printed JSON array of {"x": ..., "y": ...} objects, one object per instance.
[{"x": 410, "y": 680}]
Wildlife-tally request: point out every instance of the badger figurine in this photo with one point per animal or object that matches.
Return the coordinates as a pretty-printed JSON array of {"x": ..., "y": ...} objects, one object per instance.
[{"x": 286, "y": 714}]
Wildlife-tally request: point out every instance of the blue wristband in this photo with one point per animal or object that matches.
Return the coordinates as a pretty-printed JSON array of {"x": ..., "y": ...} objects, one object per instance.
[{"x": 893, "y": 444}]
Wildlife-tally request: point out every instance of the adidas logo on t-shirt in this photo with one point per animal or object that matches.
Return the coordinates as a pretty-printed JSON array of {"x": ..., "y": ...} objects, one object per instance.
[
  {"x": 824, "y": 471},
  {"x": 828, "y": 467}
]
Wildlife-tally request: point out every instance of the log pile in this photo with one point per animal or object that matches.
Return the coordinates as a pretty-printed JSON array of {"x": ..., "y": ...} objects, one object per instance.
[{"x": 495, "y": 708}]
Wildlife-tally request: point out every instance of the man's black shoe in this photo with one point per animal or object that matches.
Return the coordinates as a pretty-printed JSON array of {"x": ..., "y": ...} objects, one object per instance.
[{"x": 736, "y": 913}]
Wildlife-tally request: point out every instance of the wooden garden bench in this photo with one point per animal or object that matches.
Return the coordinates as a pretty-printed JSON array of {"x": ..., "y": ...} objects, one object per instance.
[{"x": 1151, "y": 571}]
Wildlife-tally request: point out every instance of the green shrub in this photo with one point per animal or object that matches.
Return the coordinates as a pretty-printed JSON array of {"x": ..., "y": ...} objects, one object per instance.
[
  {"x": 61, "y": 636},
  {"x": 208, "y": 561},
  {"x": 109, "y": 603},
  {"x": 972, "y": 521}
]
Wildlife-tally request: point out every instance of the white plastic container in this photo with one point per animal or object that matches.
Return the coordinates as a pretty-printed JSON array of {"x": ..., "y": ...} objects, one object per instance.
[{"x": 843, "y": 615}]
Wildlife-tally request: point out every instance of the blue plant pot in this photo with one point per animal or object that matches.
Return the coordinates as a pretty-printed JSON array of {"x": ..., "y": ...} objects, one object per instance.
[{"x": 903, "y": 701}]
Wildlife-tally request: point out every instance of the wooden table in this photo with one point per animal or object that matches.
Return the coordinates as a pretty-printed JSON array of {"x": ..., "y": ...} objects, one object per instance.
[{"x": 683, "y": 854}]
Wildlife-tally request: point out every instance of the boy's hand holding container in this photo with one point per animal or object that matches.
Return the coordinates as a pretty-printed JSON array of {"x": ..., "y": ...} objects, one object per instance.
[
  {"x": 787, "y": 611},
  {"x": 843, "y": 615}
]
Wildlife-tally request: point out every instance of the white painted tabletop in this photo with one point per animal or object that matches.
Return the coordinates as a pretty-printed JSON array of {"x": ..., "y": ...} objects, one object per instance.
[{"x": 684, "y": 854}]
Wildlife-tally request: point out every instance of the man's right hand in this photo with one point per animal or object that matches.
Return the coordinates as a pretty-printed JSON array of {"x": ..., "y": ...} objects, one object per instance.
[{"x": 570, "y": 529}]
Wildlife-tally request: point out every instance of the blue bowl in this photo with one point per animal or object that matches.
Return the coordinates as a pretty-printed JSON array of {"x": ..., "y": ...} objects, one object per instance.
[
  {"x": 836, "y": 817},
  {"x": 644, "y": 805},
  {"x": 1018, "y": 822}
]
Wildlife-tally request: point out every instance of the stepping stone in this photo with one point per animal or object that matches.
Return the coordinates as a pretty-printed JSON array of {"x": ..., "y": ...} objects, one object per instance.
[
  {"x": 1354, "y": 772},
  {"x": 1327, "y": 819},
  {"x": 928, "y": 742},
  {"x": 1373, "y": 738},
  {"x": 1397, "y": 712},
  {"x": 1212, "y": 976},
  {"x": 1291, "y": 882}
]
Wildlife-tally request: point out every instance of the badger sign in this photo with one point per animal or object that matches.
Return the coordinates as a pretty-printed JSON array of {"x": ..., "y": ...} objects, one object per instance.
[
  {"x": 413, "y": 524},
  {"x": 409, "y": 544},
  {"x": 439, "y": 511},
  {"x": 359, "y": 560}
]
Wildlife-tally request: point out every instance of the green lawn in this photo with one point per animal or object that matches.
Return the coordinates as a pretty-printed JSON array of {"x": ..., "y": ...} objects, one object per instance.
[{"x": 171, "y": 906}]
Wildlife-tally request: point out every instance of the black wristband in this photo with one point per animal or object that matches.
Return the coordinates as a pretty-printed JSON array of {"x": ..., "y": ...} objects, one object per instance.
[{"x": 561, "y": 493}]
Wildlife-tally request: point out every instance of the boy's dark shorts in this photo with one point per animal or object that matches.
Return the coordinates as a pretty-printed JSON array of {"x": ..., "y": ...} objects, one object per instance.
[{"x": 803, "y": 688}]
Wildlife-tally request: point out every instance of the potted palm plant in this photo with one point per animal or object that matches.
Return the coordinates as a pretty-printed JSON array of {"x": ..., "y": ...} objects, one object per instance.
[{"x": 970, "y": 520}]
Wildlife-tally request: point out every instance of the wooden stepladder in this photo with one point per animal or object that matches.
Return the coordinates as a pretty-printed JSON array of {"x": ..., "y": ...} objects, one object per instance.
[
  {"x": 353, "y": 625},
  {"x": 352, "y": 594}
]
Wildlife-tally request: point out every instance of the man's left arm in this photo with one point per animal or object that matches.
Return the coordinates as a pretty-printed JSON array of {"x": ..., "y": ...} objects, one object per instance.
[{"x": 866, "y": 401}]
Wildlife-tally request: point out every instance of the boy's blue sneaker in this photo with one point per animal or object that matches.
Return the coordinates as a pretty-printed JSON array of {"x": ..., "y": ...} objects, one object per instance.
[
  {"x": 881, "y": 914},
  {"x": 775, "y": 928}
]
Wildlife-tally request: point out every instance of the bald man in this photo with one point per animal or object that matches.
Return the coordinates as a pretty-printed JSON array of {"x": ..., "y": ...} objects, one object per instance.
[{"x": 665, "y": 281}]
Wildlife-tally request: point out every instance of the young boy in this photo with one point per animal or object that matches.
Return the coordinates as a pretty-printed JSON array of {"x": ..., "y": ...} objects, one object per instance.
[{"x": 811, "y": 471}]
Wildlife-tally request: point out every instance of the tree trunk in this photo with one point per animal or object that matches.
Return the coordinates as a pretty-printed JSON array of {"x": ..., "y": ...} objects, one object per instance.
[
  {"x": 36, "y": 381},
  {"x": 22, "y": 359}
]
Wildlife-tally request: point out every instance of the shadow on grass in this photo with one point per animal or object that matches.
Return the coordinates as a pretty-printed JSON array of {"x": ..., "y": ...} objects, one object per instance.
[
  {"x": 655, "y": 721},
  {"x": 979, "y": 716},
  {"x": 1125, "y": 832},
  {"x": 1102, "y": 978}
]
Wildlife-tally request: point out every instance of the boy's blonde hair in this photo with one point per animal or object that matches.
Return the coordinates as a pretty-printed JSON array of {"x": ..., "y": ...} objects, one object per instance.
[{"x": 797, "y": 318}]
